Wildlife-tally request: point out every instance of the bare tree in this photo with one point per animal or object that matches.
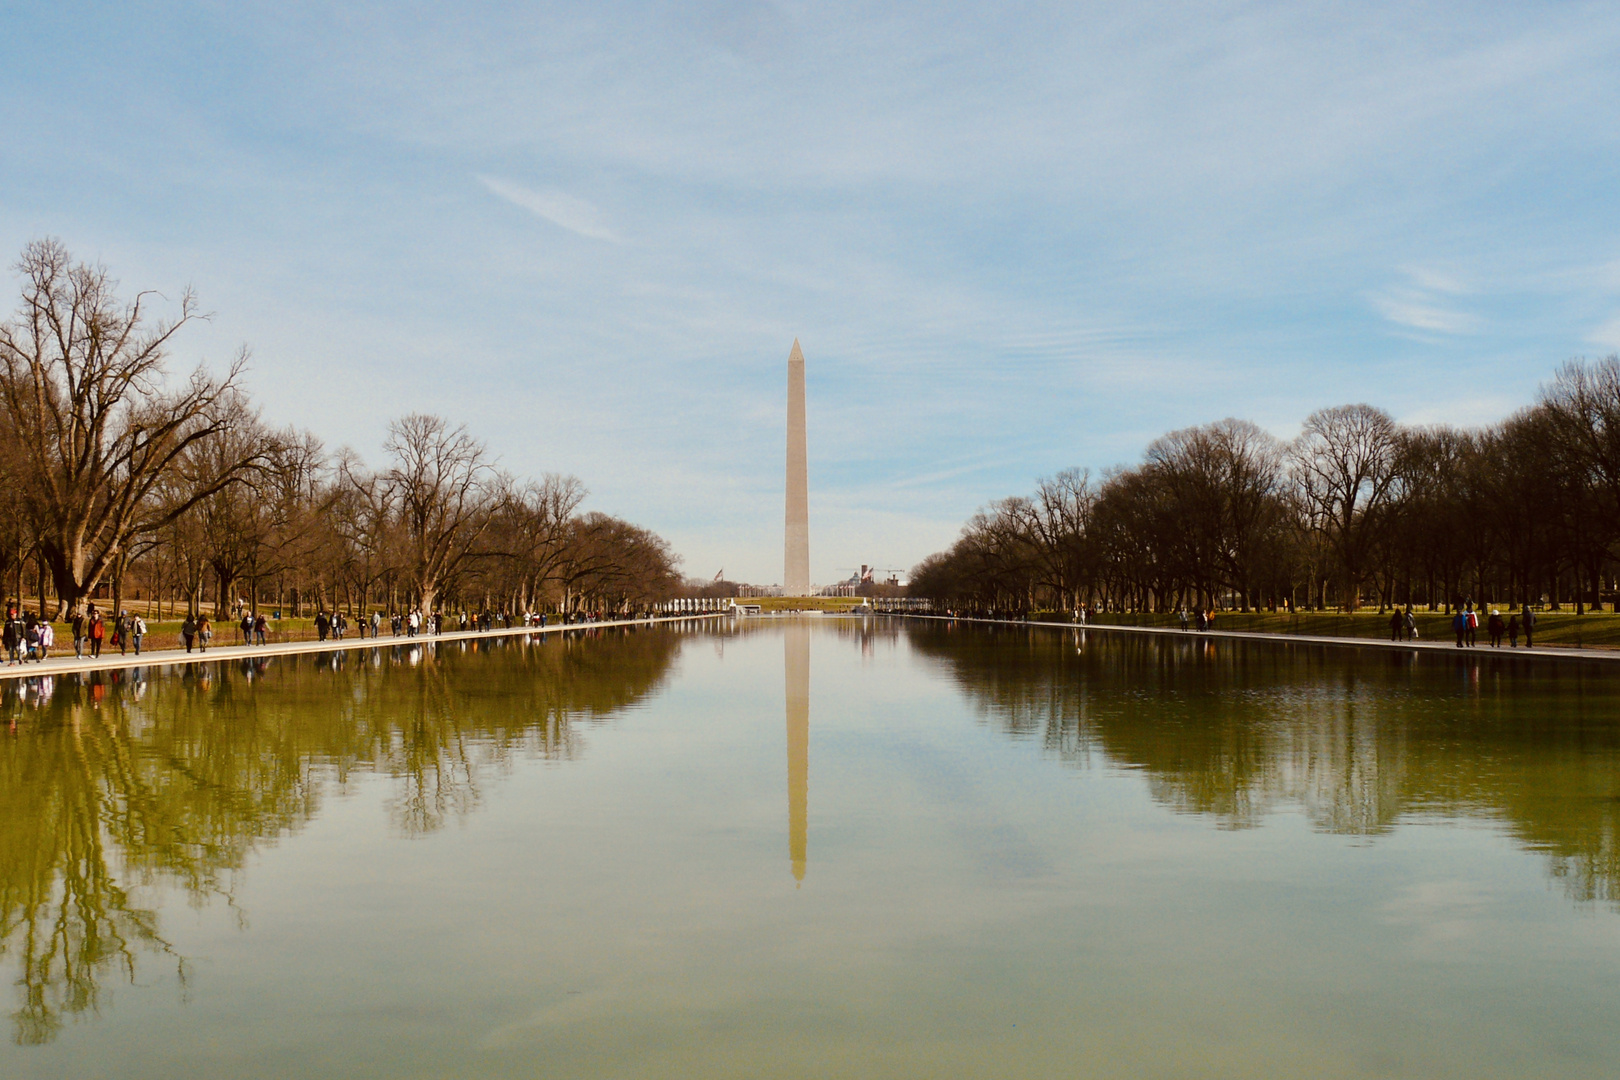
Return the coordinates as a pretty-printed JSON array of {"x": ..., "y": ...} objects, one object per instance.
[
  {"x": 238, "y": 520},
  {"x": 1583, "y": 403},
  {"x": 1344, "y": 463},
  {"x": 531, "y": 533},
  {"x": 82, "y": 385},
  {"x": 18, "y": 540},
  {"x": 358, "y": 513},
  {"x": 1059, "y": 523},
  {"x": 1225, "y": 481},
  {"x": 439, "y": 485},
  {"x": 1527, "y": 509},
  {"x": 613, "y": 562}
]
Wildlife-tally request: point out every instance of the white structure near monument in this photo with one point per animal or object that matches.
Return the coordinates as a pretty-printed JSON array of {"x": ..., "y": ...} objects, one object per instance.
[{"x": 796, "y": 571}]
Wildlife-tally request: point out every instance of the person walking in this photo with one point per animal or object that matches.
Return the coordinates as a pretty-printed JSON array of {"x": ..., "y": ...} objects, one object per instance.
[
  {"x": 246, "y": 626},
  {"x": 78, "y": 635},
  {"x": 1410, "y": 621},
  {"x": 47, "y": 638},
  {"x": 138, "y": 631},
  {"x": 261, "y": 627},
  {"x": 1494, "y": 626},
  {"x": 121, "y": 633},
  {"x": 1396, "y": 625},
  {"x": 1473, "y": 625},
  {"x": 322, "y": 625},
  {"x": 188, "y": 631},
  {"x": 1459, "y": 624},
  {"x": 1528, "y": 621},
  {"x": 1513, "y": 631},
  {"x": 205, "y": 632},
  {"x": 12, "y": 637},
  {"x": 98, "y": 631}
]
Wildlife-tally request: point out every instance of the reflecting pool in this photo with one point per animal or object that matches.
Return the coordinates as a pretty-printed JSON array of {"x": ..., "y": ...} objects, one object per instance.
[{"x": 817, "y": 847}]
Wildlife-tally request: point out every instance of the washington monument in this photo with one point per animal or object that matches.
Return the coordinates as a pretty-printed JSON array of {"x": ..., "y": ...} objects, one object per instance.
[{"x": 796, "y": 572}]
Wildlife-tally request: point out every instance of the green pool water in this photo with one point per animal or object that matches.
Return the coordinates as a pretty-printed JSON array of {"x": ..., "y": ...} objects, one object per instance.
[{"x": 813, "y": 848}]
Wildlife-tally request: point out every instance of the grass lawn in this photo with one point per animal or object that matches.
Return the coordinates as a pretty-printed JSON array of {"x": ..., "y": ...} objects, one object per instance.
[{"x": 803, "y": 603}]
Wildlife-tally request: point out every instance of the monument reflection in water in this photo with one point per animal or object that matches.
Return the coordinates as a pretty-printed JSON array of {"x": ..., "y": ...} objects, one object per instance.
[
  {"x": 1037, "y": 854},
  {"x": 796, "y": 666}
]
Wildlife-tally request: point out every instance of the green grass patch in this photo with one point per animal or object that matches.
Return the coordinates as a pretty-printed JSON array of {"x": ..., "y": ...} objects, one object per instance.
[{"x": 803, "y": 603}]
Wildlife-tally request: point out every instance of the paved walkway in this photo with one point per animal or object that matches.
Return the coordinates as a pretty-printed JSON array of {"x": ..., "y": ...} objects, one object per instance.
[
  {"x": 111, "y": 661},
  {"x": 1553, "y": 652}
]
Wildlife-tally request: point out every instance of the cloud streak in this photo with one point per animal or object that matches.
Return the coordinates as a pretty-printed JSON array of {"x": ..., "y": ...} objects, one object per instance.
[
  {"x": 1606, "y": 336},
  {"x": 1427, "y": 303},
  {"x": 558, "y": 207}
]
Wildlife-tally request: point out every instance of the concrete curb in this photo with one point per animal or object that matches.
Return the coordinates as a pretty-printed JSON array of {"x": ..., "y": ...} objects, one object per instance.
[
  {"x": 1446, "y": 647},
  {"x": 68, "y": 665}
]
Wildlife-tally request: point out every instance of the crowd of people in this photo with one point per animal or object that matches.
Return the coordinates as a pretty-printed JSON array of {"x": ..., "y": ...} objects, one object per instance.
[
  {"x": 1465, "y": 624},
  {"x": 1200, "y": 620},
  {"x": 412, "y": 623},
  {"x": 29, "y": 637}
]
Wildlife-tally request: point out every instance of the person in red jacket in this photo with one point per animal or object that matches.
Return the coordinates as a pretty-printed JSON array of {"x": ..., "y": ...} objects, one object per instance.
[{"x": 98, "y": 632}]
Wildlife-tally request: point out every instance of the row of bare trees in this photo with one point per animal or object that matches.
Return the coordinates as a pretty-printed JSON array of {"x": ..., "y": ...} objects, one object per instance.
[
  {"x": 116, "y": 478},
  {"x": 1358, "y": 508}
]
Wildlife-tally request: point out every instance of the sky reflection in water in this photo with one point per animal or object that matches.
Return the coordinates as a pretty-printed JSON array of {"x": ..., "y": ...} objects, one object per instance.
[{"x": 1001, "y": 853}]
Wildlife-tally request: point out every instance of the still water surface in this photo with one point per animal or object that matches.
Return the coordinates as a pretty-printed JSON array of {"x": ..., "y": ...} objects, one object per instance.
[{"x": 816, "y": 848}]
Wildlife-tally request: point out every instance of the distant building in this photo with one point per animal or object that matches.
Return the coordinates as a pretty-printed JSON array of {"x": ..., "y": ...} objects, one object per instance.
[{"x": 863, "y": 582}]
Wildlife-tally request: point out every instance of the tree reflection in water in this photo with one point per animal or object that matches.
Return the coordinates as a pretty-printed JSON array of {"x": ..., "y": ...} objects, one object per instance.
[
  {"x": 1359, "y": 740},
  {"x": 118, "y": 780}
]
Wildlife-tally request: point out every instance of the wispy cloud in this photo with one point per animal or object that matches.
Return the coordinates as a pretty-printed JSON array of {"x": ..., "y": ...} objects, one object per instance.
[
  {"x": 1476, "y": 411},
  {"x": 1606, "y": 336},
  {"x": 1437, "y": 281},
  {"x": 1427, "y": 302},
  {"x": 1422, "y": 316},
  {"x": 558, "y": 207}
]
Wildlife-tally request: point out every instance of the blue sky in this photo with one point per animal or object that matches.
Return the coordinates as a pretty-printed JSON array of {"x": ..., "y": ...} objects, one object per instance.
[{"x": 1011, "y": 238}]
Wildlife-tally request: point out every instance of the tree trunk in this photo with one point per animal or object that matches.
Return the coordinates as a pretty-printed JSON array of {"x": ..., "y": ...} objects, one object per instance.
[{"x": 119, "y": 566}]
